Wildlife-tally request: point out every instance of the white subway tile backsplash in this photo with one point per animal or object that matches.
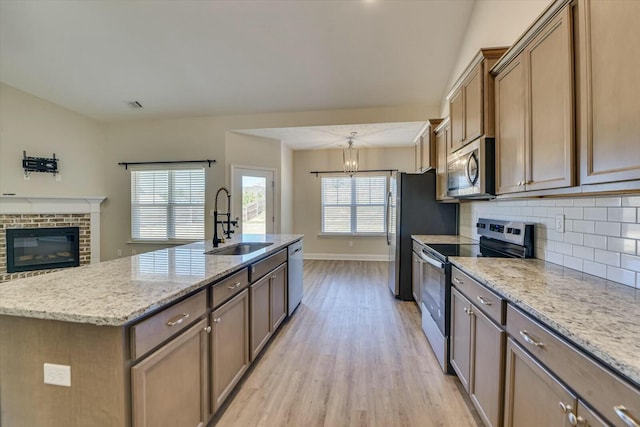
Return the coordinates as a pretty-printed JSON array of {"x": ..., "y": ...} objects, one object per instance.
[
  {"x": 606, "y": 257},
  {"x": 597, "y": 214},
  {"x": 564, "y": 202},
  {"x": 608, "y": 228},
  {"x": 553, "y": 257},
  {"x": 568, "y": 224},
  {"x": 580, "y": 226},
  {"x": 571, "y": 262},
  {"x": 574, "y": 213},
  {"x": 594, "y": 268},
  {"x": 621, "y": 276},
  {"x": 595, "y": 241},
  {"x": 587, "y": 201},
  {"x": 631, "y": 201},
  {"x": 609, "y": 201},
  {"x": 631, "y": 231},
  {"x": 564, "y": 248},
  {"x": 630, "y": 262},
  {"x": 547, "y": 202},
  {"x": 617, "y": 244},
  {"x": 574, "y": 238},
  {"x": 539, "y": 211},
  {"x": 583, "y": 252},
  {"x": 621, "y": 214}
]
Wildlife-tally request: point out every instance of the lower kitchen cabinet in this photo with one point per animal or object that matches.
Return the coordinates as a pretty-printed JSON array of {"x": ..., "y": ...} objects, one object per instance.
[
  {"x": 278, "y": 292},
  {"x": 533, "y": 397},
  {"x": 477, "y": 358},
  {"x": 416, "y": 277},
  {"x": 229, "y": 347},
  {"x": 170, "y": 387},
  {"x": 268, "y": 307}
]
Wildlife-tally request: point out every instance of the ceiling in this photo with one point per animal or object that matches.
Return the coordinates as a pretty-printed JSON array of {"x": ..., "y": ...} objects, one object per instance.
[
  {"x": 322, "y": 137},
  {"x": 186, "y": 58}
]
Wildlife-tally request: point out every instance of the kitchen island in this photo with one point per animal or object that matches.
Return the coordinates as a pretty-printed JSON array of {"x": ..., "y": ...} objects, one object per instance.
[{"x": 117, "y": 323}]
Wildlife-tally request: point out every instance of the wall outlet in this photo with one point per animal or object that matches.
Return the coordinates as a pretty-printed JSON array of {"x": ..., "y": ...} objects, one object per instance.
[
  {"x": 57, "y": 374},
  {"x": 560, "y": 223}
]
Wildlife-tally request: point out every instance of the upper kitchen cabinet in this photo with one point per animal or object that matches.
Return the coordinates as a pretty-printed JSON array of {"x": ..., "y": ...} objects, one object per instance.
[
  {"x": 425, "y": 146},
  {"x": 608, "y": 90},
  {"x": 442, "y": 143},
  {"x": 471, "y": 100},
  {"x": 535, "y": 142}
]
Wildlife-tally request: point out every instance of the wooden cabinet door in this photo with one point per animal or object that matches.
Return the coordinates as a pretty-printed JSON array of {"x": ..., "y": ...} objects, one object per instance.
[
  {"x": 461, "y": 337},
  {"x": 278, "y": 296},
  {"x": 550, "y": 139},
  {"x": 417, "y": 149},
  {"x": 473, "y": 99},
  {"x": 170, "y": 387},
  {"x": 609, "y": 89},
  {"x": 488, "y": 369},
  {"x": 229, "y": 347},
  {"x": 416, "y": 277},
  {"x": 510, "y": 111},
  {"x": 260, "y": 315},
  {"x": 442, "y": 140},
  {"x": 533, "y": 397},
  {"x": 456, "y": 112},
  {"x": 428, "y": 149},
  {"x": 587, "y": 418}
]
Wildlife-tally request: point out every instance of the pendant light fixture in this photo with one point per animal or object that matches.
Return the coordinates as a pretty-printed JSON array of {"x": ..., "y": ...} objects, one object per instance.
[{"x": 350, "y": 157}]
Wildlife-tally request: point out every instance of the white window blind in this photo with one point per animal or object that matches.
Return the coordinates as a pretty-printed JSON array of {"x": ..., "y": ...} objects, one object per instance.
[
  {"x": 167, "y": 204},
  {"x": 354, "y": 205}
]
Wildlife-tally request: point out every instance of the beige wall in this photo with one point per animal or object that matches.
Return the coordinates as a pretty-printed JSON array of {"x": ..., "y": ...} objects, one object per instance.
[
  {"x": 286, "y": 189},
  {"x": 41, "y": 128},
  {"x": 307, "y": 204},
  {"x": 493, "y": 23}
]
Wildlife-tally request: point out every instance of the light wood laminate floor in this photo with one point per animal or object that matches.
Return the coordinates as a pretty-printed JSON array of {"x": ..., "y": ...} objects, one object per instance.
[{"x": 351, "y": 355}]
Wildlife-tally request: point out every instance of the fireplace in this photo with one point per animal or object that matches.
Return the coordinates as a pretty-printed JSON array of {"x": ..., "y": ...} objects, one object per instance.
[{"x": 42, "y": 248}]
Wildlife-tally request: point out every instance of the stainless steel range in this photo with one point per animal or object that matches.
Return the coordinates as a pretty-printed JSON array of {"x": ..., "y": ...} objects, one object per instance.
[{"x": 498, "y": 239}]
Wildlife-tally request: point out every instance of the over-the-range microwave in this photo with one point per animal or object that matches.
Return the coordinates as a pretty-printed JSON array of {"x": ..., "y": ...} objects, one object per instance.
[{"x": 470, "y": 170}]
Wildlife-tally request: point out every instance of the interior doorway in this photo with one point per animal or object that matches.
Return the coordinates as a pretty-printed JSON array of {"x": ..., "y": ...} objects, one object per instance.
[{"x": 252, "y": 195}]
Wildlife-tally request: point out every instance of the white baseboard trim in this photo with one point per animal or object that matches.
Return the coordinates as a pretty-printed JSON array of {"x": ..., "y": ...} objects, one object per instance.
[{"x": 346, "y": 257}]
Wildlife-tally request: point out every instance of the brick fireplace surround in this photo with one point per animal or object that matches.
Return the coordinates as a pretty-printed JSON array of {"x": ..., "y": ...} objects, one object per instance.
[{"x": 39, "y": 212}]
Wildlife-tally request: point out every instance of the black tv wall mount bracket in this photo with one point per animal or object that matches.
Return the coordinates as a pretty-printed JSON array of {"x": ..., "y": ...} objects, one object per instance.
[{"x": 39, "y": 164}]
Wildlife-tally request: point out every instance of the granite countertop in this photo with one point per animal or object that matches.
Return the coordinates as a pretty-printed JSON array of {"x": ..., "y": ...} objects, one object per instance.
[
  {"x": 600, "y": 316},
  {"x": 436, "y": 239},
  {"x": 119, "y": 291}
]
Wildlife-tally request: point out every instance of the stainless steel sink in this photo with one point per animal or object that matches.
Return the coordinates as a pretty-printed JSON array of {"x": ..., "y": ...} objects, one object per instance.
[{"x": 238, "y": 249}]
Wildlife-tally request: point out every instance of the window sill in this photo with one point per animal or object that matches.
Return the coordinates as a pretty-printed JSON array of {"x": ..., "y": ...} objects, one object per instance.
[
  {"x": 351, "y": 235},
  {"x": 165, "y": 242}
]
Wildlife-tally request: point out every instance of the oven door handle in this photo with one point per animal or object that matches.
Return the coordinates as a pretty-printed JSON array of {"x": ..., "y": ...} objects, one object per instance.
[{"x": 431, "y": 261}]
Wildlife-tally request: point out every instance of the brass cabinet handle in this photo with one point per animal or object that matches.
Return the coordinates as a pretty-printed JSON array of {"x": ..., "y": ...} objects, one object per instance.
[
  {"x": 525, "y": 336},
  {"x": 274, "y": 277},
  {"x": 234, "y": 286},
  {"x": 207, "y": 329},
  {"x": 564, "y": 408},
  {"x": 216, "y": 320},
  {"x": 178, "y": 319},
  {"x": 575, "y": 421},
  {"x": 469, "y": 311},
  {"x": 482, "y": 300},
  {"x": 458, "y": 281},
  {"x": 627, "y": 417}
]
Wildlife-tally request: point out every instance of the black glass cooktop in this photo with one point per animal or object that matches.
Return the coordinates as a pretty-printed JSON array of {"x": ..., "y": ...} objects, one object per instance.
[{"x": 462, "y": 250}]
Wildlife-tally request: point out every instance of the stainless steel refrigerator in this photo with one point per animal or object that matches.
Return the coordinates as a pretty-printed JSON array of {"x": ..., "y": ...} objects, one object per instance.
[{"x": 413, "y": 209}]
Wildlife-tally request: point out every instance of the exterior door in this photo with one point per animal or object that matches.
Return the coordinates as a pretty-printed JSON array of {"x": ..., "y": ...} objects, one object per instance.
[{"x": 252, "y": 193}]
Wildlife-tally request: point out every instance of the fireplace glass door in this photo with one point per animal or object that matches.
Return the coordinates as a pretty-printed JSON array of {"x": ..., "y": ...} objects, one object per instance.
[{"x": 42, "y": 248}]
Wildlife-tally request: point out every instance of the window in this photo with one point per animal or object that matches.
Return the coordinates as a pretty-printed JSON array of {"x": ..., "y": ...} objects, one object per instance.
[
  {"x": 354, "y": 205},
  {"x": 167, "y": 204}
]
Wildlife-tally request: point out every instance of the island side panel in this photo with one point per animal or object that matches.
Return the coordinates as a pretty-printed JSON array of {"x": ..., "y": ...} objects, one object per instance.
[{"x": 99, "y": 392}]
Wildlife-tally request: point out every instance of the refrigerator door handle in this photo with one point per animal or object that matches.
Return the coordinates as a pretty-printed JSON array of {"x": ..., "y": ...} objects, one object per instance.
[{"x": 388, "y": 219}]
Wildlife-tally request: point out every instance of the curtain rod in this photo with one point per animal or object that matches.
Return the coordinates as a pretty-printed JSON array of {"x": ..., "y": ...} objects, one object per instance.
[
  {"x": 360, "y": 171},
  {"x": 126, "y": 164}
]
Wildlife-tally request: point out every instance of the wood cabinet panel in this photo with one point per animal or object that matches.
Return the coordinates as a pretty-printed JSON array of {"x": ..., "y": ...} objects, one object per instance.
[
  {"x": 229, "y": 287},
  {"x": 532, "y": 395},
  {"x": 473, "y": 105},
  {"x": 608, "y": 37},
  {"x": 266, "y": 265},
  {"x": 229, "y": 347},
  {"x": 550, "y": 141},
  {"x": 260, "y": 315},
  {"x": 416, "y": 277},
  {"x": 456, "y": 111},
  {"x": 488, "y": 369},
  {"x": 442, "y": 143},
  {"x": 417, "y": 155},
  {"x": 489, "y": 302},
  {"x": 170, "y": 387},
  {"x": 278, "y": 296},
  {"x": 461, "y": 337}
]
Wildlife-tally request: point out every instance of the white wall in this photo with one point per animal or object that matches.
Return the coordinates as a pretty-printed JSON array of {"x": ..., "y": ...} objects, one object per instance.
[
  {"x": 40, "y": 128},
  {"x": 493, "y": 23},
  {"x": 307, "y": 204},
  {"x": 286, "y": 189}
]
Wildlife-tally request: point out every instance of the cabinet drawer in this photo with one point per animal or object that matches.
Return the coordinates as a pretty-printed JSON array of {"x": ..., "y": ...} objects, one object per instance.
[
  {"x": 227, "y": 288},
  {"x": 157, "y": 328},
  {"x": 596, "y": 385},
  {"x": 264, "y": 266},
  {"x": 489, "y": 302}
]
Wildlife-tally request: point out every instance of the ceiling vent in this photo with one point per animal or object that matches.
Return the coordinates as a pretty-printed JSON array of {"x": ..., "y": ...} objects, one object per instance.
[{"x": 135, "y": 105}]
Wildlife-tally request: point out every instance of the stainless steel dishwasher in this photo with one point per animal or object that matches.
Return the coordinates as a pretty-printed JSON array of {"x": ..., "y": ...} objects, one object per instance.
[{"x": 295, "y": 267}]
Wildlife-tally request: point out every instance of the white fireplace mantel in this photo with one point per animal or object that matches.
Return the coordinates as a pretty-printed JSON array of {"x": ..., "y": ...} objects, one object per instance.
[{"x": 10, "y": 205}]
